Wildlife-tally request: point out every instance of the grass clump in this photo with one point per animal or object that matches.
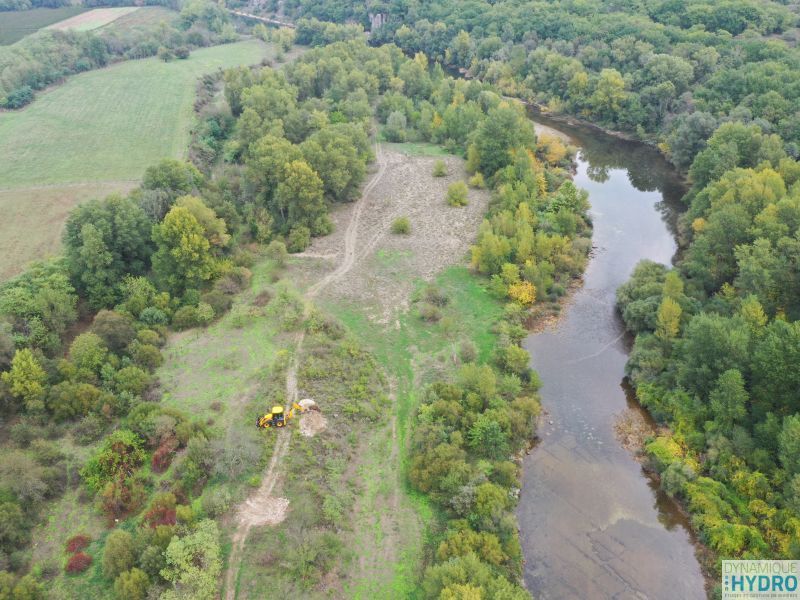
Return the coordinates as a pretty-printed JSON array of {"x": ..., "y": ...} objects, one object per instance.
[
  {"x": 401, "y": 226},
  {"x": 457, "y": 194}
]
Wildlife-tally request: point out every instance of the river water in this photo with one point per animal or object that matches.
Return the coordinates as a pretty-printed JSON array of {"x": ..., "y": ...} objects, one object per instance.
[{"x": 592, "y": 524}]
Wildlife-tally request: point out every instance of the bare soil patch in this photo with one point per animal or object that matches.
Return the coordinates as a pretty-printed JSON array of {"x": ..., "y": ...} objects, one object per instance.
[
  {"x": 312, "y": 423},
  {"x": 267, "y": 510},
  {"x": 632, "y": 429},
  {"x": 386, "y": 265}
]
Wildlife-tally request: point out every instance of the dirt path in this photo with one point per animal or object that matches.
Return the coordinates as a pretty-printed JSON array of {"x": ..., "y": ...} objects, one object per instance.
[{"x": 262, "y": 508}]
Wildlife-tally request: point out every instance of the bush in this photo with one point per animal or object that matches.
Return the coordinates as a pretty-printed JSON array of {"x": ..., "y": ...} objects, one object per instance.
[
  {"x": 77, "y": 542},
  {"x": 429, "y": 312},
  {"x": 457, "y": 194},
  {"x": 118, "y": 553},
  {"x": 439, "y": 169},
  {"x": 277, "y": 252},
  {"x": 219, "y": 302},
  {"x": 153, "y": 316},
  {"x": 89, "y": 429},
  {"x": 78, "y": 563},
  {"x": 19, "y": 97},
  {"x": 132, "y": 585},
  {"x": 477, "y": 181},
  {"x": 299, "y": 239},
  {"x": 401, "y": 226}
]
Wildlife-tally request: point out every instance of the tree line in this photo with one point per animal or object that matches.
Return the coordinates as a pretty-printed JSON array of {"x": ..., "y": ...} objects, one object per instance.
[
  {"x": 716, "y": 351},
  {"x": 667, "y": 72}
]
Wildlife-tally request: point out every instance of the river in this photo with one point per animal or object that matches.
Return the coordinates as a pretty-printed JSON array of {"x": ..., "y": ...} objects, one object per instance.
[{"x": 592, "y": 524}]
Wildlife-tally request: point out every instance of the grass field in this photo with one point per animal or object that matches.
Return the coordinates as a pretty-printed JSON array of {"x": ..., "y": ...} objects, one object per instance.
[
  {"x": 17, "y": 24},
  {"x": 146, "y": 16},
  {"x": 93, "y": 19},
  {"x": 102, "y": 128}
]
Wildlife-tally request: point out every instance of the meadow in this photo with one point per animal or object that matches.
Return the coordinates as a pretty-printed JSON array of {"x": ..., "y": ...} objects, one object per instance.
[
  {"x": 16, "y": 25},
  {"x": 95, "y": 134}
]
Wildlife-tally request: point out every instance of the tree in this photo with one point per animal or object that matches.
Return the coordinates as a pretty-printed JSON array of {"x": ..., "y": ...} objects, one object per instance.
[
  {"x": 28, "y": 588},
  {"x": 215, "y": 229},
  {"x": 106, "y": 240},
  {"x": 118, "y": 554},
  {"x": 668, "y": 320},
  {"x": 131, "y": 585},
  {"x": 609, "y": 94},
  {"x": 14, "y": 530},
  {"x": 299, "y": 197},
  {"x": 184, "y": 258},
  {"x": 789, "y": 444},
  {"x": 88, "y": 353},
  {"x": 395, "y": 129},
  {"x": 115, "y": 329},
  {"x": 503, "y": 130},
  {"x": 486, "y": 437},
  {"x": 26, "y": 380},
  {"x": 729, "y": 400},
  {"x": 193, "y": 564}
]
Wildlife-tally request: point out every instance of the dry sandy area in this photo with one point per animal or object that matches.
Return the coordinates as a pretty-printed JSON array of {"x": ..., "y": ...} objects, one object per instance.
[{"x": 387, "y": 265}]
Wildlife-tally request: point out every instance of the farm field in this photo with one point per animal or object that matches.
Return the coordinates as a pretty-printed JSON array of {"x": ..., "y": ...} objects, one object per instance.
[
  {"x": 93, "y": 19},
  {"x": 144, "y": 16},
  {"x": 102, "y": 128},
  {"x": 17, "y": 24}
]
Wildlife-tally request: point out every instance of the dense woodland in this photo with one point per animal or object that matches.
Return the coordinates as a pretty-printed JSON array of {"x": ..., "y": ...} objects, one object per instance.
[
  {"x": 47, "y": 57},
  {"x": 663, "y": 70},
  {"x": 716, "y": 353}
]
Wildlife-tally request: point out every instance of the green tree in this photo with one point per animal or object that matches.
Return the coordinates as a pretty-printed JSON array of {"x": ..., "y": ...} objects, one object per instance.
[
  {"x": 729, "y": 400},
  {"x": 668, "y": 320},
  {"x": 609, "y": 95},
  {"x": 299, "y": 196},
  {"x": 131, "y": 585},
  {"x": 118, "y": 554},
  {"x": 26, "y": 380},
  {"x": 504, "y": 129},
  {"x": 184, "y": 258},
  {"x": 789, "y": 444},
  {"x": 193, "y": 564}
]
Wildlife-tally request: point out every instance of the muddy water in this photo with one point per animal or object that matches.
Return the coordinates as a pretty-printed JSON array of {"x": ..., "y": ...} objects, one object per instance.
[{"x": 592, "y": 524}]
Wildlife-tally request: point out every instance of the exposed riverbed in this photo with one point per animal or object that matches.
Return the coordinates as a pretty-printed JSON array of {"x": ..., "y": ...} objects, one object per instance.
[{"x": 592, "y": 523}]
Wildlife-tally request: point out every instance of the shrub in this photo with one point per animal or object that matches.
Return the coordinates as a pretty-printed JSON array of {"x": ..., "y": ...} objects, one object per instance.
[
  {"x": 89, "y": 429},
  {"x": 132, "y": 585},
  {"x": 77, "y": 542},
  {"x": 146, "y": 356},
  {"x": 219, "y": 301},
  {"x": 429, "y": 312},
  {"x": 477, "y": 181},
  {"x": 19, "y": 97},
  {"x": 457, "y": 194},
  {"x": 401, "y": 226},
  {"x": 78, "y": 563},
  {"x": 185, "y": 317},
  {"x": 118, "y": 553},
  {"x": 439, "y": 169},
  {"x": 216, "y": 502},
  {"x": 299, "y": 239},
  {"x": 467, "y": 352},
  {"x": 153, "y": 316},
  {"x": 277, "y": 252}
]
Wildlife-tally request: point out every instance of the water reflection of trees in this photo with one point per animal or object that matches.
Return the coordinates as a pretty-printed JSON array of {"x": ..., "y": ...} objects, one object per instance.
[{"x": 647, "y": 170}]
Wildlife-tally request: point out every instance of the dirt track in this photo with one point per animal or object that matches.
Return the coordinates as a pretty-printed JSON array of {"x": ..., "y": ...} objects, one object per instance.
[{"x": 262, "y": 507}]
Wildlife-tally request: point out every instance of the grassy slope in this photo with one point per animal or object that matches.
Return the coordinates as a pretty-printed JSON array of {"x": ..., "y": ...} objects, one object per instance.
[
  {"x": 110, "y": 124},
  {"x": 101, "y": 130},
  {"x": 17, "y": 24}
]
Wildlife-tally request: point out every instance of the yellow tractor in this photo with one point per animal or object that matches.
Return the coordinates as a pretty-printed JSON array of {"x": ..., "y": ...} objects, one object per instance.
[{"x": 277, "y": 418}]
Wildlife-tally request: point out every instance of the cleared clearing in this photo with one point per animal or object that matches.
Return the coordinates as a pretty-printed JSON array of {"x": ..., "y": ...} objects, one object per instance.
[
  {"x": 93, "y": 19},
  {"x": 146, "y": 16},
  {"x": 101, "y": 130}
]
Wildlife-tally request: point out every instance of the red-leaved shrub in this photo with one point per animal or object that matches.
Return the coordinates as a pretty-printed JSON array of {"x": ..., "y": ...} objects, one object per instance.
[
  {"x": 77, "y": 542},
  {"x": 160, "y": 515},
  {"x": 162, "y": 458},
  {"x": 78, "y": 563}
]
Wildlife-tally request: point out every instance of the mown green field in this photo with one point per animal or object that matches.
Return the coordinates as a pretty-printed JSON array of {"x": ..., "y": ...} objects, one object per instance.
[
  {"x": 17, "y": 24},
  {"x": 103, "y": 127}
]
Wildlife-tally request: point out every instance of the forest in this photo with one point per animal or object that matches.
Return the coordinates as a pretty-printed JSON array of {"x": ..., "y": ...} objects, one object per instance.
[{"x": 664, "y": 71}]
